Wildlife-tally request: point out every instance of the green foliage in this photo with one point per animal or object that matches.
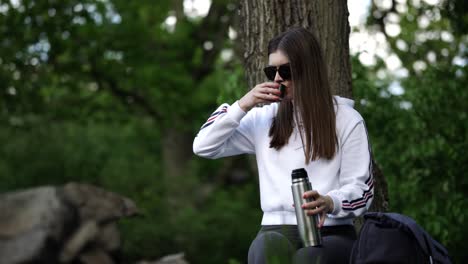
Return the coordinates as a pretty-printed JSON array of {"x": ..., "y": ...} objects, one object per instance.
[
  {"x": 227, "y": 210},
  {"x": 419, "y": 136},
  {"x": 419, "y": 141},
  {"x": 233, "y": 83},
  {"x": 122, "y": 158},
  {"x": 89, "y": 89}
]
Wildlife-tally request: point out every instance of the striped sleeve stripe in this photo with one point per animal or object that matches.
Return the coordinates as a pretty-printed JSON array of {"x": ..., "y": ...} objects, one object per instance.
[
  {"x": 213, "y": 117},
  {"x": 360, "y": 202},
  {"x": 219, "y": 112},
  {"x": 358, "y": 205}
]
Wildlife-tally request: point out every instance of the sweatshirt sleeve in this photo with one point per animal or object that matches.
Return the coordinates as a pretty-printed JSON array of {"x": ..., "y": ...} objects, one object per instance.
[
  {"x": 227, "y": 132},
  {"x": 355, "y": 195}
]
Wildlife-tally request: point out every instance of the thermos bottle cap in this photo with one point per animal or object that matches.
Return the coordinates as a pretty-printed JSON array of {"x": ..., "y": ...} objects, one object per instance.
[{"x": 299, "y": 174}]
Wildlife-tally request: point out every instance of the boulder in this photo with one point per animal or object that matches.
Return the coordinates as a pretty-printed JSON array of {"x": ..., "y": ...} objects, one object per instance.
[
  {"x": 32, "y": 222},
  {"x": 74, "y": 223}
]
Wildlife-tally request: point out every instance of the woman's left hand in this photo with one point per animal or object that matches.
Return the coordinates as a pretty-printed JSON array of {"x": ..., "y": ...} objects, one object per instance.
[{"x": 320, "y": 205}]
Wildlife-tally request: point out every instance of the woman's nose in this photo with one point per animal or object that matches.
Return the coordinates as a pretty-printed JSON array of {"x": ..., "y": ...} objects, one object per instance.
[{"x": 278, "y": 77}]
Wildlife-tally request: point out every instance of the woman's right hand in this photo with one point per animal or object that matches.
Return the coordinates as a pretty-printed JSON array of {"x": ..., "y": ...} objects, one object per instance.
[{"x": 266, "y": 92}]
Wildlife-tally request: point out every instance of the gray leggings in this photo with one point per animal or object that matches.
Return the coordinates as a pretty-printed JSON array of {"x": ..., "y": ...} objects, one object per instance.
[{"x": 282, "y": 244}]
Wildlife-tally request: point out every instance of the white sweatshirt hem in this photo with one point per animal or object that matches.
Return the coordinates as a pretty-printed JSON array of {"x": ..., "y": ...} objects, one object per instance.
[{"x": 289, "y": 218}]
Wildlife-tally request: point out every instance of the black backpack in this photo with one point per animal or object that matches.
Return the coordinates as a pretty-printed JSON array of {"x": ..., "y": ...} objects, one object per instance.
[{"x": 395, "y": 238}]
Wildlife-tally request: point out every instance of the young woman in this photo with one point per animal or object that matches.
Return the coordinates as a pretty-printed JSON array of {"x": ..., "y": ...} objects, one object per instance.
[{"x": 308, "y": 128}]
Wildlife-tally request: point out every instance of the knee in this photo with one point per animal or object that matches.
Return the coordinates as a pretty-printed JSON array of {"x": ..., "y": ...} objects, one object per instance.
[
  {"x": 269, "y": 247},
  {"x": 334, "y": 249},
  {"x": 310, "y": 255}
]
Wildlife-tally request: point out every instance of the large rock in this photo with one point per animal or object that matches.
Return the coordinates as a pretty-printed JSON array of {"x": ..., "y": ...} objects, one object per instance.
[
  {"x": 30, "y": 221},
  {"x": 98, "y": 204},
  {"x": 52, "y": 224}
]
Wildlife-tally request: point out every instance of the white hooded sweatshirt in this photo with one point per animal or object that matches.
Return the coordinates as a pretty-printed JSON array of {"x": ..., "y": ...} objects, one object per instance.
[{"x": 346, "y": 178}]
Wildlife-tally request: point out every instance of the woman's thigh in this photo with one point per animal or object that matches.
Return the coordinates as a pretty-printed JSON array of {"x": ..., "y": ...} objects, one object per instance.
[
  {"x": 334, "y": 249},
  {"x": 270, "y": 247}
]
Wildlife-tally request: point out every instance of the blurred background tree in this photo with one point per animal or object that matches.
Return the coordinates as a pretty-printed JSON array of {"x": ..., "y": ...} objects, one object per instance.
[{"x": 112, "y": 93}]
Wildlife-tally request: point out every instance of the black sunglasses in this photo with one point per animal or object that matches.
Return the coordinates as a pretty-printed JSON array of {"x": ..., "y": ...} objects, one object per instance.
[{"x": 284, "y": 71}]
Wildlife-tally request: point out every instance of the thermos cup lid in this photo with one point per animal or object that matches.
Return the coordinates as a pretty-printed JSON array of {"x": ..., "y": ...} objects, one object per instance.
[{"x": 299, "y": 174}]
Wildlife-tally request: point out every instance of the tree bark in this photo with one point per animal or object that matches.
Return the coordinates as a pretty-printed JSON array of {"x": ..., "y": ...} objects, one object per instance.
[{"x": 260, "y": 20}]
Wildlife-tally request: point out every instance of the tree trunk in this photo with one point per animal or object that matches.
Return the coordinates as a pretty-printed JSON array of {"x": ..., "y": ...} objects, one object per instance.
[
  {"x": 260, "y": 20},
  {"x": 176, "y": 156}
]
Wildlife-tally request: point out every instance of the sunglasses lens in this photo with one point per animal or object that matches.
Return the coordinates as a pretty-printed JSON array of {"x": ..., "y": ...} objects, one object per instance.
[
  {"x": 285, "y": 72},
  {"x": 270, "y": 72}
]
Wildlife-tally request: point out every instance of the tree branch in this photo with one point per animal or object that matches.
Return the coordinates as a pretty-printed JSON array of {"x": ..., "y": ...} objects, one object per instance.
[
  {"x": 214, "y": 28},
  {"x": 126, "y": 97}
]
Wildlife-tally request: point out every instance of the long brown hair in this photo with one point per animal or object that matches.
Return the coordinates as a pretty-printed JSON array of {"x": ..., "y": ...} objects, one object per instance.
[{"x": 312, "y": 103}]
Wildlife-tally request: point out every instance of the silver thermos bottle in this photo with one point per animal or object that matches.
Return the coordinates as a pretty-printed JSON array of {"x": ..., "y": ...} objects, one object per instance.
[{"x": 306, "y": 224}]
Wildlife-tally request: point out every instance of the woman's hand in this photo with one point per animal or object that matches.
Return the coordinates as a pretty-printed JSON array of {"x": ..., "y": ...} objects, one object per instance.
[
  {"x": 266, "y": 92},
  {"x": 320, "y": 205}
]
